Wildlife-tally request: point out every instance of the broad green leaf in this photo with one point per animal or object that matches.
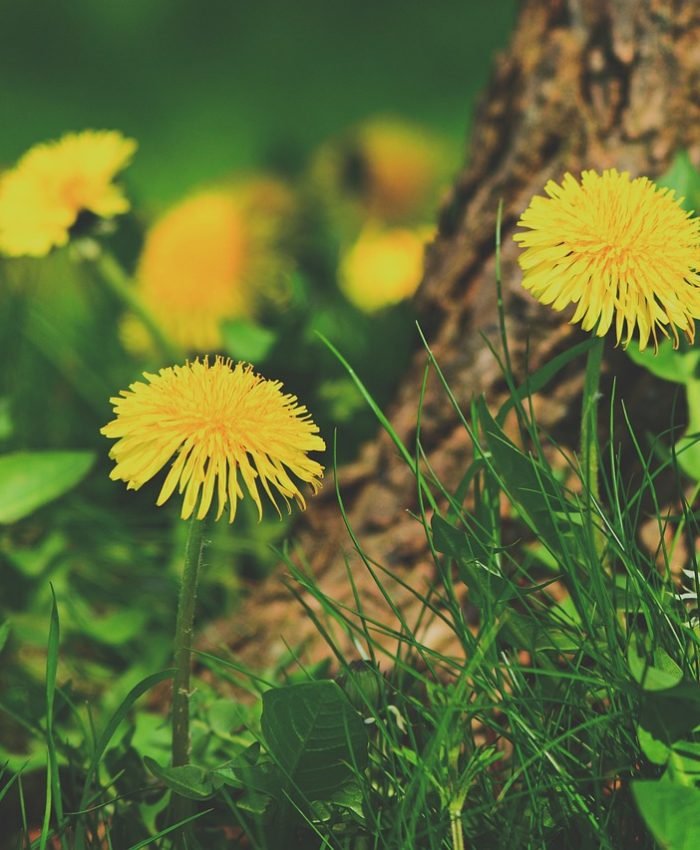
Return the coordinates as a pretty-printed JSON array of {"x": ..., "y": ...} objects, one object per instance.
[
  {"x": 671, "y": 812},
  {"x": 244, "y": 340},
  {"x": 655, "y": 750},
  {"x": 188, "y": 780},
  {"x": 29, "y": 480},
  {"x": 678, "y": 366},
  {"x": 654, "y": 671},
  {"x": 667, "y": 720},
  {"x": 684, "y": 761},
  {"x": 315, "y": 737},
  {"x": 684, "y": 179}
]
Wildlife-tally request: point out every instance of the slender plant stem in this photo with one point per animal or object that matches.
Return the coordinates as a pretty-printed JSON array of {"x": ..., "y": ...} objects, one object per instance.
[
  {"x": 118, "y": 281},
  {"x": 456, "y": 829},
  {"x": 590, "y": 452},
  {"x": 181, "y": 807},
  {"x": 184, "y": 628}
]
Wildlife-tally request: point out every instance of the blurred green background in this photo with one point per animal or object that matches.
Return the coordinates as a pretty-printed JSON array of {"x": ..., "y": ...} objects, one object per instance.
[{"x": 209, "y": 87}]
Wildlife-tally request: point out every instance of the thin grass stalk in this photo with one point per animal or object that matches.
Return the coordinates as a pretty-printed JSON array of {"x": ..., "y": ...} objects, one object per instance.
[
  {"x": 590, "y": 452},
  {"x": 53, "y": 785},
  {"x": 114, "y": 276}
]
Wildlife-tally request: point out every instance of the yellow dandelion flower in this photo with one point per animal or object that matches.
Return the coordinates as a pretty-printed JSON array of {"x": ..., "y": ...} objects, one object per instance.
[
  {"x": 402, "y": 167},
  {"x": 622, "y": 250},
  {"x": 53, "y": 183},
  {"x": 391, "y": 168},
  {"x": 217, "y": 420},
  {"x": 202, "y": 261},
  {"x": 383, "y": 267},
  {"x": 189, "y": 273}
]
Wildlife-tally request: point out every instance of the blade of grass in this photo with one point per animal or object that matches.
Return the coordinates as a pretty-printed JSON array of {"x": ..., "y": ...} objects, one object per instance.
[
  {"x": 53, "y": 784},
  {"x": 378, "y": 412}
]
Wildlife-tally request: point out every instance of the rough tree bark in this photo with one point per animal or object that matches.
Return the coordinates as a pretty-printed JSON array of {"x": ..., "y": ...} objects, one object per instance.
[{"x": 584, "y": 83}]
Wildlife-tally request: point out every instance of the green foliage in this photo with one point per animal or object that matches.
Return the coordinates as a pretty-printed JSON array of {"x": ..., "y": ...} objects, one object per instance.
[
  {"x": 315, "y": 738},
  {"x": 684, "y": 179},
  {"x": 672, "y": 813},
  {"x": 244, "y": 340},
  {"x": 29, "y": 480},
  {"x": 187, "y": 780},
  {"x": 655, "y": 670}
]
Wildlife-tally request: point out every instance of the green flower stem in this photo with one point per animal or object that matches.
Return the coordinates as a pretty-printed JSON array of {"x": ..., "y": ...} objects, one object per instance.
[
  {"x": 118, "y": 281},
  {"x": 456, "y": 828},
  {"x": 181, "y": 807},
  {"x": 590, "y": 459},
  {"x": 183, "y": 642}
]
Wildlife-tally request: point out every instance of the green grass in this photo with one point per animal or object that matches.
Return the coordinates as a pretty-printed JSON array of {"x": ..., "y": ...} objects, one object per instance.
[
  {"x": 531, "y": 733},
  {"x": 536, "y": 754}
]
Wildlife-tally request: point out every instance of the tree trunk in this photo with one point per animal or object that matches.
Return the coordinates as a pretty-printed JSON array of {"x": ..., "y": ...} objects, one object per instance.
[{"x": 584, "y": 84}]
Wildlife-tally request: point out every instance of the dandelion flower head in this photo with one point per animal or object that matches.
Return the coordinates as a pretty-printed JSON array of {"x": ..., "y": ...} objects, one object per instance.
[
  {"x": 53, "y": 183},
  {"x": 202, "y": 260},
  {"x": 623, "y": 250},
  {"x": 190, "y": 269},
  {"x": 227, "y": 428},
  {"x": 383, "y": 267},
  {"x": 390, "y": 168},
  {"x": 401, "y": 164}
]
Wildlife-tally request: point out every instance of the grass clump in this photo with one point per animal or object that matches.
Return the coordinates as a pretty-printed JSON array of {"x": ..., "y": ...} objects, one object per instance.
[{"x": 564, "y": 714}]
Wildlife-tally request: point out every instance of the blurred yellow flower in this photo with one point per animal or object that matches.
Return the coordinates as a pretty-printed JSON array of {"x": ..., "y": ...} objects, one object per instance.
[
  {"x": 622, "y": 250},
  {"x": 191, "y": 267},
  {"x": 217, "y": 420},
  {"x": 383, "y": 267},
  {"x": 392, "y": 168},
  {"x": 53, "y": 183},
  {"x": 401, "y": 165},
  {"x": 202, "y": 261}
]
